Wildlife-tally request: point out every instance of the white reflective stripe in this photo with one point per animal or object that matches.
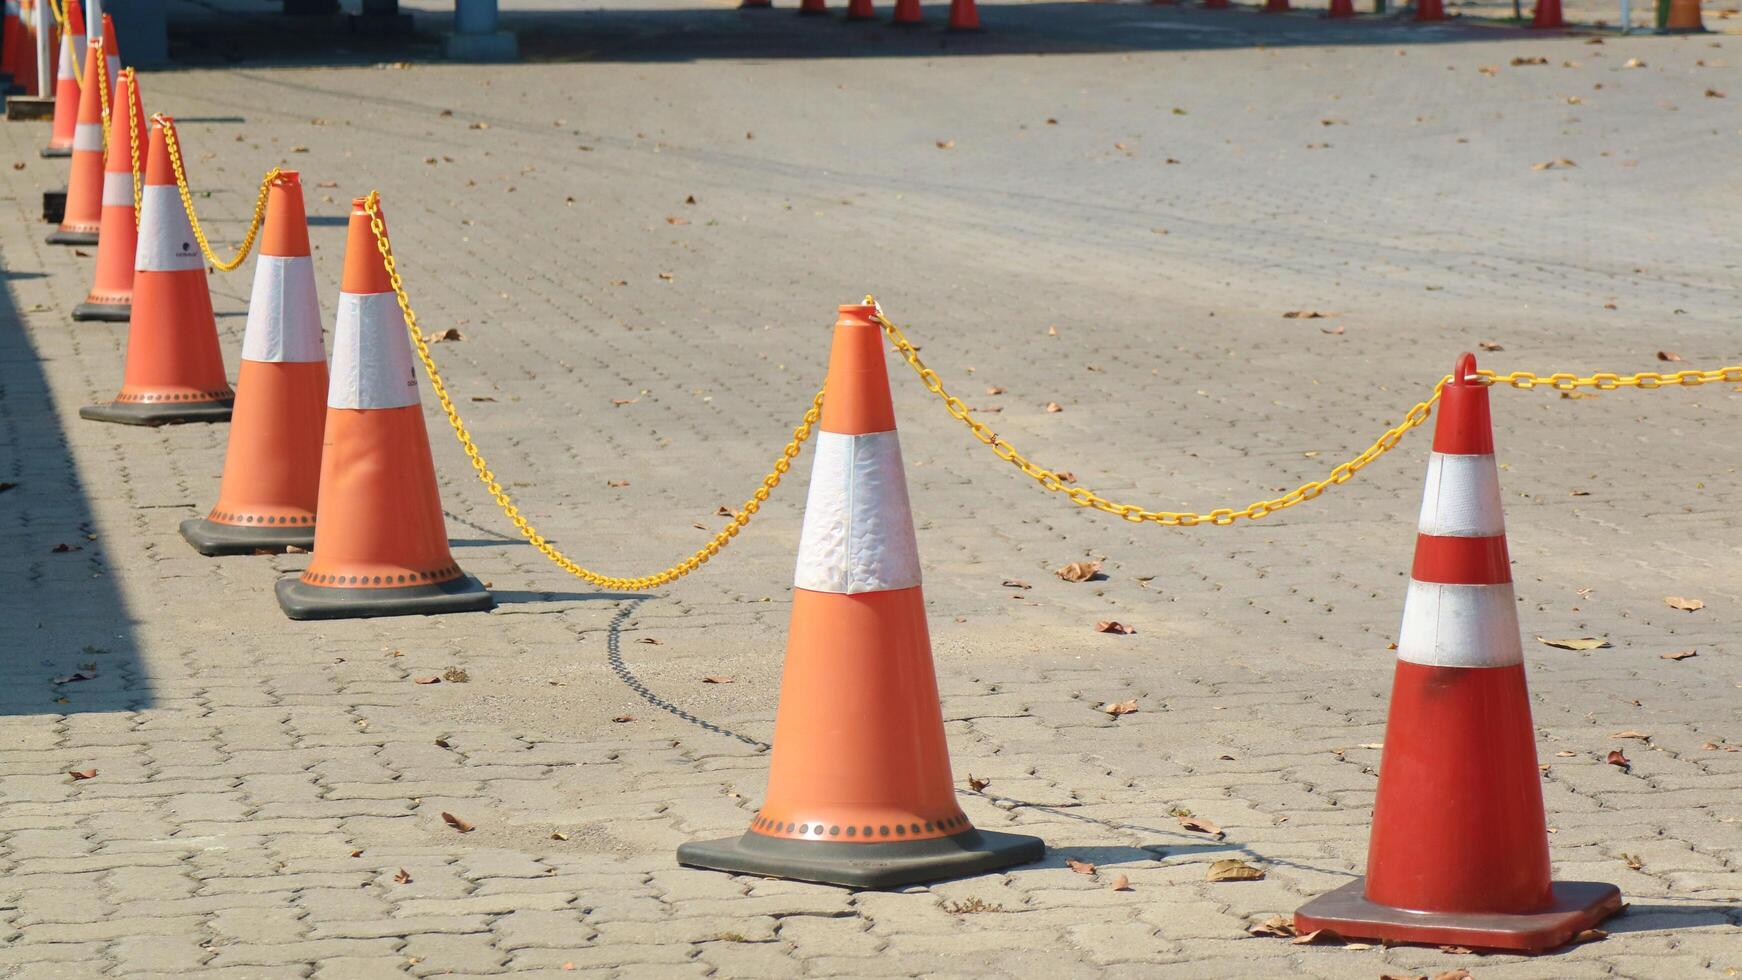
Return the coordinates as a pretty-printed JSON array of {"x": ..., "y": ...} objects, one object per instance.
[
  {"x": 117, "y": 189},
  {"x": 1460, "y": 626},
  {"x": 371, "y": 355},
  {"x": 67, "y": 61},
  {"x": 88, "y": 136},
  {"x": 284, "y": 312},
  {"x": 1462, "y": 499},
  {"x": 166, "y": 242},
  {"x": 858, "y": 524}
]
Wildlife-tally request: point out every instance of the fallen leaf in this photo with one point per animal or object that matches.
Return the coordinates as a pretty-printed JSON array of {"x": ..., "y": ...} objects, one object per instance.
[
  {"x": 450, "y": 334},
  {"x": 672, "y": 219},
  {"x": 650, "y": 641},
  {"x": 63, "y": 548},
  {"x": 1685, "y": 605},
  {"x": 1080, "y": 867},
  {"x": 80, "y": 775},
  {"x": 717, "y": 680},
  {"x": 1455, "y": 951},
  {"x": 1121, "y": 884},
  {"x": 1079, "y": 571},
  {"x": 1054, "y": 407},
  {"x": 690, "y": 200},
  {"x": 558, "y": 835},
  {"x": 1276, "y": 925},
  {"x": 442, "y": 743},
  {"x": 1307, "y": 938},
  {"x": 946, "y": 144},
  {"x": 1665, "y": 355},
  {"x": 402, "y": 878},
  {"x": 456, "y": 823},
  {"x": 81, "y": 253},
  {"x": 1489, "y": 70},
  {"x": 1588, "y": 936},
  {"x": 1118, "y": 708},
  {"x": 1633, "y": 861},
  {"x": 480, "y": 125},
  {"x": 1632, "y": 734},
  {"x": 1115, "y": 627},
  {"x": 994, "y": 390},
  {"x": 1677, "y": 655},
  {"x": 1577, "y": 643},
  {"x": 623, "y": 719},
  {"x": 1633, "y": 63},
  {"x": 667, "y": 276},
  {"x": 1336, "y": 331},
  {"x": 357, "y": 854},
  {"x": 431, "y": 679},
  {"x": 1458, "y": 974},
  {"x": 1517, "y": 62},
  {"x": 456, "y": 675},
  {"x": 1713, "y": 93},
  {"x": 1618, "y": 759},
  {"x": 74, "y": 678},
  {"x": 1233, "y": 869},
  {"x": 1490, "y": 345},
  {"x": 977, "y": 785},
  {"x": 1201, "y": 825},
  {"x": 1016, "y": 583},
  {"x": 1306, "y": 315},
  {"x": 616, "y": 484},
  {"x": 1403, "y": 976}
]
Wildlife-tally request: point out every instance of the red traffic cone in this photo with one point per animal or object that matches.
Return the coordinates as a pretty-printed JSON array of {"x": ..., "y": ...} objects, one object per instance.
[
  {"x": 859, "y": 786},
  {"x": 1430, "y": 10},
  {"x": 1341, "y": 8},
  {"x": 66, "y": 81},
  {"x": 1459, "y": 848},
  {"x": 1547, "y": 15},
  {"x": 272, "y": 467},
  {"x": 812, "y": 8},
  {"x": 83, "y": 215},
  {"x": 1274, "y": 7},
  {"x": 381, "y": 544},
  {"x": 907, "y": 13},
  {"x": 860, "y": 10},
  {"x": 1215, "y": 4},
  {"x": 8, "y": 55},
  {"x": 755, "y": 4},
  {"x": 111, "y": 296},
  {"x": 175, "y": 369},
  {"x": 964, "y": 15}
]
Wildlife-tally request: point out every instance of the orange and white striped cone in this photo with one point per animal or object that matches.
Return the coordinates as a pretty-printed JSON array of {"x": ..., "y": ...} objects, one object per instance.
[
  {"x": 272, "y": 468},
  {"x": 66, "y": 83},
  {"x": 175, "y": 369},
  {"x": 859, "y": 786},
  {"x": 111, "y": 295},
  {"x": 84, "y": 208},
  {"x": 381, "y": 544},
  {"x": 1459, "y": 849}
]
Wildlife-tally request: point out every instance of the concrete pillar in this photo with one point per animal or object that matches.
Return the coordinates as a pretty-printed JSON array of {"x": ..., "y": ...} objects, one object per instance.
[{"x": 477, "y": 36}]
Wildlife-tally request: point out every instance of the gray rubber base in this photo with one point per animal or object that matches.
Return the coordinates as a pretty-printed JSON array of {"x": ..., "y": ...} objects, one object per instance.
[
  {"x": 49, "y": 152},
  {"x": 212, "y": 539},
  {"x": 300, "y": 600},
  {"x": 1578, "y": 905},
  {"x": 58, "y": 237},
  {"x": 54, "y": 206},
  {"x": 106, "y": 312},
  {"x": 864, "y": 865},
  {"x": 157, "y": 413},
  {"x": 29, "y": 107}
]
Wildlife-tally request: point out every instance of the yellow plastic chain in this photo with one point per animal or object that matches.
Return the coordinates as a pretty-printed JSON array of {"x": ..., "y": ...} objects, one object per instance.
[
  {"x": 740, "y": 518},
  {"x": 133, "y": 136},
  {"x": 102, "y": 88},
  {"x": 1084, "y": 497},
  {"x": 59, "y": 12},
  {"x": 187, "y": 202}
]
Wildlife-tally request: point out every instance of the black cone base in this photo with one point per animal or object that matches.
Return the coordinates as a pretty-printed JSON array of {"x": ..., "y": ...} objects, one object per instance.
[
  {"x": 54, "y": 206},
  {"x": 158, "y": 413},
  {"x": 57, "y": 151},
  {"x": 59, "y": 237},
  {"x": 864, "y": 865},
  {"x": 299, "y": 600},
  {"x": 1578, "y": 905},
  {"x": 211, "y": 538},
  {"x": 108, "y": 312}
]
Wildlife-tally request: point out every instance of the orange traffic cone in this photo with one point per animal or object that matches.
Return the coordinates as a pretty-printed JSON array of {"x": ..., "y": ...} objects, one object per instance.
[
  {"x": 1341, "y": 8},
  {"x": 272, "y": 470},
  {"x": 811, "y": 8},
  {"x": 907, "y": 13},
  {"x": 859, "y": 787},
  {"x": 1459, "y": 849},
  {"x": 23, "y": 47},
  {"x": 381, "y": 546},
  {"x": 1215, "y": 4},
  {"x": 755, "y": 4},
  {"x": 66, "y": 83},
  {"x": 111, "y": 296},
  {"x": 175, "y": 371},
  {"x": 84, "y": 206},
  {"x": 1430, "y": 10},
  {"x": 964, "y": 15},
  {"x": 860, "y": 10},
  {"x": 1547, "y": 15},
  {"x": 1274, "y": 7},
  {"x": 8, "y": 42},
  {"x": 1683, "y": 18}
]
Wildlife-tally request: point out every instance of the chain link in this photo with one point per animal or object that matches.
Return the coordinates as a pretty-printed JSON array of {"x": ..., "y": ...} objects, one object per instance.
[
  {"x": 1610, "y": 382},
  {"x": 133, "y": 111},
  {"x": 96, "y": 48},
  {"x": 741, "y": 517},
  {"x": 187, "y": 201}
]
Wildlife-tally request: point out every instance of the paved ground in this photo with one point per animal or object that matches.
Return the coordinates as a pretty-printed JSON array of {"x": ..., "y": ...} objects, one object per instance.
[{"x": 261, "y": 783}]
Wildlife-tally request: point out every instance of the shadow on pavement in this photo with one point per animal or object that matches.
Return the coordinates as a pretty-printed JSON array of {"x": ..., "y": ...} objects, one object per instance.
[
  {"x": 614, "y": 657},
  {"x": 66, "y": 637}
]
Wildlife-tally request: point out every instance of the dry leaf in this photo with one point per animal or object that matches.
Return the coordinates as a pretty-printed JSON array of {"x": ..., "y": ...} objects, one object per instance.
[
  {"x": 456, "y": 675},
  {"x": 623, "y": 719},
  {"x": 651, "y": 641},
  {"x": 1233, "y": 869},
  {"x": 1685, "y": 605},
  {"x": 1306, "y": 315},
  {"x": 994, "y": 390},
  {"x": 1080, "y": 867},
  {"x": 1577, "y": 643},
  {"x": 1588, "y": 936},
  {"x": 1677, "y": 655},
  {"x": 1307, "y": 938},
  {"x": 1016, "y": 583},
  {"x": 1632, "y": 734},
  {"x": 668, "y": 277},
  {"x": 456, "y": 823},
  {"x": 977, "y": 785},
  {"x": 1403, "y": 976},
  {"x": 403, "y": 877},
  {"x": 431, "y": 679},
  {"x": 1201, "y": 825},
  {"x": 1118, "y": 708},
  {"x": 1460, "y": 973},
  {"x": 672, "y": 219},
  {"x": 451, "y": 333},
  {"x": 1079, "y": 571},
  {"x": 1666, "y": 355},
  {"x": 1633, "y": 861},
  {"x": 83, "y": 774},
  {"x": 1121, "y": 884},
  {"x": 1276, "y": 925},
  {"x": 442, "y": 743},
  {"x": 75, "y": 677},
  {"x": 1633, "y": 63},
  {"x": 1490, "y": 345},
  {"x": 1516, "y": 62},
  {"x": 357, "y": 854},
  {"x": 1054, "y": 407},
  {"x": 558, "y": 835},
  {"x": 1618, "y": 759},
  {"x": 716, "y": 680},
  {"x": 946, "y": 144},
  {"x": 64, "y": 548},
  {"x": 619, "y": 403},
  {"x": 1455, "y": 951}
]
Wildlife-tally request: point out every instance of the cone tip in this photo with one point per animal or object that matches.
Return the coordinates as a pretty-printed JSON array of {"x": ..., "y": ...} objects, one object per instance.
[{"x": 287, "y": 178}]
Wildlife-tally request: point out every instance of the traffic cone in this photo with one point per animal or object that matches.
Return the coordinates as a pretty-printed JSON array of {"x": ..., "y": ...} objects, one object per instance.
[
  {"x": 84, "y": 205},
  {"x": 755, "y": 4},
  {"x": 1215, "y": 4},
  {"x": 907, "y": 13},
  {"x": 9, "y": 44},
  {"x": 24, "y": 49},
  {"x": 66, "y": 83},
  {"x": 1274, "y": 7},
  {"x": 860, "y": 10},
  {"x": 811, "y": 8},
  {"x": 1459, "y": 849},
  {"x": 175, "y": 371},
  {"x": 859, "y": 787},
  {"x": 111, "y": 296},
  {"x": 1430, "y": 10},
  {"x": 964, "y": 15},
  {"x": 381, "y": 545},
  {"x": 1341, "y": 8},
  {"x": 272, "y": 469},
  {"x": 1683, "y": 18},
  {"x": 1547, "y": 15}
]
